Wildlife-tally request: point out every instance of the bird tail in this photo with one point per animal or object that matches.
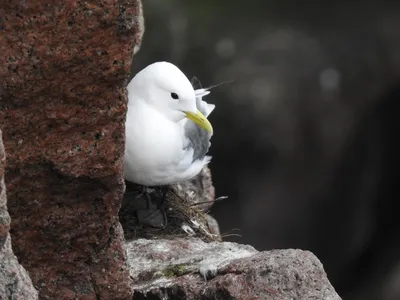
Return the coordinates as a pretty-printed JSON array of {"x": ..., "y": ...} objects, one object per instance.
[{"x": 204, "y": 107}]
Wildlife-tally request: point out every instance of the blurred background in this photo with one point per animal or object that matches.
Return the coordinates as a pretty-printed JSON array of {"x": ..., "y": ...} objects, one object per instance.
[{"x": 306, "y": 138}]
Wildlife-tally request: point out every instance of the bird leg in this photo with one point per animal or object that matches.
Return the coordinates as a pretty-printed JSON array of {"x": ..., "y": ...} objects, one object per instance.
[
  {"x": 139, "y": 199},
  {"x": 146, "y": 191},
  {"x": 155, "y": 214},
  {"x": 161, "y": 206},
  {"x": 164, "y": 191}
]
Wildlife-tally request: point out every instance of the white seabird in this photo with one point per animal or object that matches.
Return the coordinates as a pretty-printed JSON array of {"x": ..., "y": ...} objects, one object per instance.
[{"x": 167, "y": 131}]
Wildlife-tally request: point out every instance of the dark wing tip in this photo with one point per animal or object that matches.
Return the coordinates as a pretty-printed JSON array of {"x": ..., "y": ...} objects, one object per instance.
[{"x": 196, "y": 83}]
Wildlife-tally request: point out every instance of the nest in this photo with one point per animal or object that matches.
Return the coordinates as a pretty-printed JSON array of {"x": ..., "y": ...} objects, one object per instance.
[{"x": 170, "y": 211}]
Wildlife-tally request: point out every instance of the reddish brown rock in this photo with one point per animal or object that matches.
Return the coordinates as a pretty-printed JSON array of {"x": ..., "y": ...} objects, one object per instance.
[
  {"x": 193, "y": 269},
  {"x": 63, "y": 70},
  {"x": 14, "y": 280}
]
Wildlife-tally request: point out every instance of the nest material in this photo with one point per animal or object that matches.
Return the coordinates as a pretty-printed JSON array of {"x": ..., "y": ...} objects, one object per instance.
[{"x": 177, "y": 210}]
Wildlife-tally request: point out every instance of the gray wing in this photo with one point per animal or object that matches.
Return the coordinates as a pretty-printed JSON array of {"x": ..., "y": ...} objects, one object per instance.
[{"x": 197, "y": 137}]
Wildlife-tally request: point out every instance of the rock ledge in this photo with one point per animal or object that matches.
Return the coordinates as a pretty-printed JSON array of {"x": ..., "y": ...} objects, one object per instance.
[{"x": 193, "y": 269}]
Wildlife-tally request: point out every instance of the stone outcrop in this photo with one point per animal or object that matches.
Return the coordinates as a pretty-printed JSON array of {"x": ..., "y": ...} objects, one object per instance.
[
  {"x": 192, "y": 269},
  {"x": 63, "y": 71},
  {"x": 14, "y": 280}
]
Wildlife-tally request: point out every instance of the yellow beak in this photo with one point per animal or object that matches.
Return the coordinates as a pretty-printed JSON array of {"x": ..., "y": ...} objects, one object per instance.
[{"x": 201, "y": 120}]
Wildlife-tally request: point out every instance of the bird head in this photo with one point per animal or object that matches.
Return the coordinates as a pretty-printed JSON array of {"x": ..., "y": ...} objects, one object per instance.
[{"x": 167, "y": 89}]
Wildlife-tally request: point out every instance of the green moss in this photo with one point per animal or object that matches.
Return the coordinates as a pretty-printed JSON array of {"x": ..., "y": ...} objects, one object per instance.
[{"x": 175, "y": 271}]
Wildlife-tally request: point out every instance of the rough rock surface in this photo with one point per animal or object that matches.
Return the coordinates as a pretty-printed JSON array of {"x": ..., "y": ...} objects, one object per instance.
[
  {"x": 192, "y": 269},
  {"x": 63, "y": 66},
  {"x": 14, "y": 280}
]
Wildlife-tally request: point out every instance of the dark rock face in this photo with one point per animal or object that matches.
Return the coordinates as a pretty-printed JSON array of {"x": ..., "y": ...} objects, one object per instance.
[
  {"x": 192, "y": 269},
  {"x": 63, "y": 67},
  {"x": 14, "y": 280}
]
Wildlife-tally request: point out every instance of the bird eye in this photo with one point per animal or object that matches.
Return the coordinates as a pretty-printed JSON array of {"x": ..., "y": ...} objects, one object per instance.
[{"x": 174, "y": 96}]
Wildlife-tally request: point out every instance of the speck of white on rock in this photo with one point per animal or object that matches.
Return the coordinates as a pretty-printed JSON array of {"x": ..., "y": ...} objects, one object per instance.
[
  {"x": 186, "y": 228},
  {"x": 160, "y": 248},
  {"x": 208, "y": 269}
]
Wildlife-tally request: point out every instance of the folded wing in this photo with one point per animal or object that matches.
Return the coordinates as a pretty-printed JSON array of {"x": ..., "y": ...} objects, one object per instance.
[{"x": 197, "y": 138}]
